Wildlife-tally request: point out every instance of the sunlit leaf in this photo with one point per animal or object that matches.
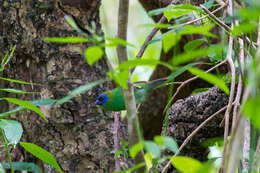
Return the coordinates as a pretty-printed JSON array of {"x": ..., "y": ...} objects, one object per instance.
[
  {"x": 210, "y": 78},
  {"x": 152, "y": 148},
  {"x": 79, "y": 90},
  {"x": 25, "y": 104},
  {"x": 179, "y": 10},
  {"x": 135, "y": 149},
  {"x": 42, "y": 154},
  {"x": 148, "y": 160},
  {"x": 251, "y": 109},
  {"x": 117, "y": 41},
  {"x": 23, "y": 166},
  {"x": 169, "y": 40},
  {"x": 13, "y": 130},
  {"x": 66, "y": 39},
  {"x": 186, "y": 164},
  {"x": 93, "y": 54},
  {"x": 143, "y": 62},
  {"x": 11, "y": 90},
  {"x": 18, "y": 81}
]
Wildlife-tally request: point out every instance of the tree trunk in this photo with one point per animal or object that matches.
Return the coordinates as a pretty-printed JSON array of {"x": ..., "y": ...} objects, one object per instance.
[{"x": 78, "y": 134}]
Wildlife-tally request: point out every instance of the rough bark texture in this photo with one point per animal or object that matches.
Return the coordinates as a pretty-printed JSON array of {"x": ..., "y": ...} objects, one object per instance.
[
  {"x": 78, "y": 134},
  {"x": 187, "y": 114}
]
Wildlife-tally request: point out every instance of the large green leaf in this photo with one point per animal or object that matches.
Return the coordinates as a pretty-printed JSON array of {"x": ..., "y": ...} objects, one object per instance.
[
  {"x": 210, "y": 78},
  {"x": 195, "y": 54},
  {"x": 25, "y": 104},
  {"x": 42, "y": 154},
  {"x": 251, "y": 109},
  {"x": 204, "y": 30},
  {"x": 143, "y": 62},
  {"x": 179, "y": 10},
  {"x": 169, "y": 40},
  {"x": 80, "y": 90},
  {"x": 23, "y": 166},
  {"x": 13, "y": 130},
  {"x": 41, "y": 102},
  {"x": 186, "y": 164},
  {"x": 152, "y": 148},
  {"x": 167, "y": 142},
  {"x": 93, "y": 54},
  {"x": 66, "y": 39},
  {"x": 135, "y": 149}
]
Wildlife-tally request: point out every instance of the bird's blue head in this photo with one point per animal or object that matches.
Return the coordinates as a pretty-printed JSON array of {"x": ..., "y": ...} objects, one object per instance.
[{"x": 102, "y": 99}]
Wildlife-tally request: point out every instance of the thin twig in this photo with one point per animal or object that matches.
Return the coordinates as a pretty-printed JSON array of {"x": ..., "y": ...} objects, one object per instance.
[
  {"x": 162, "y": 20},
  {"x": 188, "y": 81},
  {"x": 226, "y": 27},
  {"x": 116, "y": 140},
  {"x": 240, "y": 83},
  {"x": 194, "y": 133}
]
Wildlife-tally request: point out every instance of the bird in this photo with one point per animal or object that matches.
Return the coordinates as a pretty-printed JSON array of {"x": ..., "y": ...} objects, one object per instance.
[{"x": 113, "y": 100}]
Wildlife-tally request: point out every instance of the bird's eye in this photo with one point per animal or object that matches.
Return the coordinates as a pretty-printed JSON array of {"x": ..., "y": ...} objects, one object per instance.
[{"x": 101, "y": 98}]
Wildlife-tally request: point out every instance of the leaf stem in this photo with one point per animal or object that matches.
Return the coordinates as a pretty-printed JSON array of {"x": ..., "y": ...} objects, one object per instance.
[{"x": 8, "y": 151}]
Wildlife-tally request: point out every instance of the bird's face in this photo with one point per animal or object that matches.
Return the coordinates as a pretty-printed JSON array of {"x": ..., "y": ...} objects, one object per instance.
[{"x": 102, "y": 99}]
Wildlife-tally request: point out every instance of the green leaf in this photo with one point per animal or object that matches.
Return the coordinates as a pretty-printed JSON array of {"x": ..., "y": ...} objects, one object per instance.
[
  {"x": 186, "y": 164},
  {"x": 79, "y": 90},
  {"x": 13, "y": 130},
  {"x": 195, "y": 54},
  {"x": 209, "y": 4},
  {"x": 66, "y": 39},
  {"x": 194, "y": 44},
  {"x": 152, "y": 148},
  {"x": 169, "y": 40},
  {"x": 41, "y": 102},
  {"x": 179, "y": 10},
  {"x": 204, "y": 30},
  {"x": 93, "y": 54},
  {"x": 143, "y": 62},
  {"x": 244, "y": 28},
  {"x": 156, "y": 11},
  {"x": 25, "y": 104},
  {"x": 11, "y": 90},
  {"x": 112, "y": 42},
  {"x": 6, "y": 59},
  {"x": 18, "y": 81},
  {"x": 210, "y": 78},
  {"x": 148, "y": 160},
  {"x": 23, "y": 166},
  {"x": 167, "y": 142},
  {"x": 42, "y": 154},
  {"x": 170, "y": 143},
  {"x": 251, "y": 109},
  {"x": 135, "y": 149}
]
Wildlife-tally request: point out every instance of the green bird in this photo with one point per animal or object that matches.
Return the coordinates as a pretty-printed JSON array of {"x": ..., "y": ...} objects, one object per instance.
[{"x": 113, "y": 100}]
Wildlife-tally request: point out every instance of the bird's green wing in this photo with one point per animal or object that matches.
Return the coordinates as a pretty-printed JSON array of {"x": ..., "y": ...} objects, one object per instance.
[{"x": 115, "y": 100}]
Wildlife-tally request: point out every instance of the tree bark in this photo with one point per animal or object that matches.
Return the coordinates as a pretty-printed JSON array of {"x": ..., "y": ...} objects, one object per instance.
[{"x": 78, "y": 134}]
